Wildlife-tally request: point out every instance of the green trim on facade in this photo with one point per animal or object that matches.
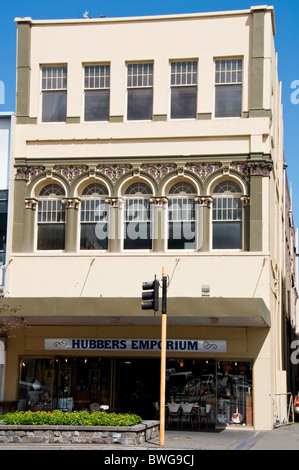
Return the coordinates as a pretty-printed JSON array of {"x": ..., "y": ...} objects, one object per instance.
[
  {"x": 267, "y": 113},
  {"x": 23, "y": 70},
  {"x": 18, "y": 228},
  {"x": 256, "y": 213},
  {"x": 72, "y": 120},
  {"x": 202, "y": 116},
  {"x": 26, "y": 120},
  {"x": 116, "y": 119},
  {"x": 257, "y": 61},
  {"x": 159, "y": 117}
]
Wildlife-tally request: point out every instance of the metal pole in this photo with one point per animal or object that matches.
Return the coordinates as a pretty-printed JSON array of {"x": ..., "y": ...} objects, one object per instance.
[{"x": 163, "y": 357}]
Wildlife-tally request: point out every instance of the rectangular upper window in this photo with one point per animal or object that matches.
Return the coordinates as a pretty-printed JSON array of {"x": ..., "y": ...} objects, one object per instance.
[
  {"x": 96, "y": 92},
  {"x": 228, "y": 87},
  {"x": 140, "y": 91},
  {"x": 54, "y": 95},
  {"x": 183, "y": 82}
]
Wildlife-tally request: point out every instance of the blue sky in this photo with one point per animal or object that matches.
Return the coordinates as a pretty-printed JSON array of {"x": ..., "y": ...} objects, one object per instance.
[{"x": 286, "y": 41}]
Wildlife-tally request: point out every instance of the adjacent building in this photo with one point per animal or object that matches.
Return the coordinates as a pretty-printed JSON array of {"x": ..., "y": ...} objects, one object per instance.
[
  {"x": 6, "y": 122},
  {"x": 141, "y": 143}
]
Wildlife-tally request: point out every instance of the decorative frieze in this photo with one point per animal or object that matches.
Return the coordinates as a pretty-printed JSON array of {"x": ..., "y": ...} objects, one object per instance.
[
  {"x": 28, "y": 172},
  {"x": 70, "y": 171},
  {"x": 114, "y": 171},
  {"x": 203, "y": 170},
  {"x": 158, "y": 170}
]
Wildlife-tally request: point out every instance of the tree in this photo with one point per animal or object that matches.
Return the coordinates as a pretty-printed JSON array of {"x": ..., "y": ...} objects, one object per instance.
[{"x": 10, "y": 322}]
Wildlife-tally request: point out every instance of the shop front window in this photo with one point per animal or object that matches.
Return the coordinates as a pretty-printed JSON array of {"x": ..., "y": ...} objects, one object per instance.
[
  {"x": 36, "y": 384},
  {"x": 66, "y": 384},
  {"x": 220, "y": 391},
  {"x": 234, "y": 393}
]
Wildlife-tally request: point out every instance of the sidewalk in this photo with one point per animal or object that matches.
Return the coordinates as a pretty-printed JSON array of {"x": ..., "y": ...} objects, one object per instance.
[{"x": 282, "y": 438}]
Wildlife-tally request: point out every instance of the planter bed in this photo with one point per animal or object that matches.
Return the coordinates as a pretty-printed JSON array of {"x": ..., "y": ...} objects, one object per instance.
[{"x": 49, "y": 434}]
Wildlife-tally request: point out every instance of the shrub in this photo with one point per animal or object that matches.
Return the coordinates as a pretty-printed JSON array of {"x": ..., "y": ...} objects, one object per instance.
[{"x": 77, "y": 418}]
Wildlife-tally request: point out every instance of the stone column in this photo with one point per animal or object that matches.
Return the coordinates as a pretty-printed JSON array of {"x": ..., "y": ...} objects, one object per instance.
[
  {"x": 114, "y": 231},
  {"x": 203, "y": 206},
  {"x": 29, "y": 225},
  {"x": 71, "y": 224},
  {"x": 256, "y": 213},
  {"x": 246, "y": 221},
  {"x": 159, "y": 232}
]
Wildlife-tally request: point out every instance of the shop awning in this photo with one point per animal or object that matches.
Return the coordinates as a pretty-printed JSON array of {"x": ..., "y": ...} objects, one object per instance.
[{"x": 217, "y": 311}]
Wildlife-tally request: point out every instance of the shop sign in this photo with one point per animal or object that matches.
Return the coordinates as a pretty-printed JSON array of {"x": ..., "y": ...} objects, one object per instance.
[{"x": 131, "y": 345}]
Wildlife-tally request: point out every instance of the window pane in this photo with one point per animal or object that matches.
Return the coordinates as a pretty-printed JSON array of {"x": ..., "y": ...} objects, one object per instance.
[
  {"x": 97, "y": 105},
  {"x": 94, "y": 236},
  {"x": 181, "y": 236},
  {"x": 140, "y": 104},
  {"x": 54, "y": 106},
  {"x": 228, "y": 101},
  {"x": 227, "y": 235},
  {"x": 137, "y": 236},
  {"x": 234, "y": 379},
  {"x": 50, "y": 237},
  {"x": 183, "y": 102}
]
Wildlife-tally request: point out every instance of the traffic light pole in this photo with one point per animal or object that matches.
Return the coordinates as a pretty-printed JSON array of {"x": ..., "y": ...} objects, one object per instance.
[{"x": 163, "y": 356}]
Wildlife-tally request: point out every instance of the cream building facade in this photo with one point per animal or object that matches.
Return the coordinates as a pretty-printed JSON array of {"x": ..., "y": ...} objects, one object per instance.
[{"x": 140, "y": 143}]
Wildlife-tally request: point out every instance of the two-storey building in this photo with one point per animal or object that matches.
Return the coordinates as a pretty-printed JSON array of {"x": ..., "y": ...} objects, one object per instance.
[{"x": 140, "y": 143}]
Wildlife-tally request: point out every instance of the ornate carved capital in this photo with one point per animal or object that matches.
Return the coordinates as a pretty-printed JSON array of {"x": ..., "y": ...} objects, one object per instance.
[
  {"x": 204, "y": 200},
  {"x": 260, "y": 168},
  {"x": 71, "y": 203},
  {"x": 159, "y": 201},
  {"x": 245, "y": 200},
  {"x": 30, "y": 203},
  {"x": 114, "y": 201}
]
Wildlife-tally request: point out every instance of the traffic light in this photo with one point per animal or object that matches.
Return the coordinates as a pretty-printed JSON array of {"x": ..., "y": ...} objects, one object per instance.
[{"x": 151, "y": 295}]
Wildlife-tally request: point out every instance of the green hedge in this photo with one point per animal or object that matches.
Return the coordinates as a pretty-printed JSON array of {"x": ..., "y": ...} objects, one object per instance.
[{"x": 77, "y": 418}]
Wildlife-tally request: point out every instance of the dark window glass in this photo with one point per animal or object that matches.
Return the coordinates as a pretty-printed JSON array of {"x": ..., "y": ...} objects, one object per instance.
[
  {"x": 227, "y": 235},
  {"x": 181, "y": 235},
  {"x": 51, "y": 236},
  {"x": 140, "y": 104},
  {"x": 97, "y": 105},
  {"x": 183, "y": 102},
  {"x": 3, "y": 227},
  {"x": 137, "y": 236},
  {"x": 228, "y": 101},
  {"x": 94, "y": 236},
  {"x": 54, "y": 106}
]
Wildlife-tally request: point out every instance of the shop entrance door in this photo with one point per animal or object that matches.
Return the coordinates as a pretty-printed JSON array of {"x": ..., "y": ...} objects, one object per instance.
[{"x": 137, "y": 386}]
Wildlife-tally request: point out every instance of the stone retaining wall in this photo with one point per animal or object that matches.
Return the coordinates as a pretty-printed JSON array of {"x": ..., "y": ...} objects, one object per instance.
[{"x": 132, "y": 435}]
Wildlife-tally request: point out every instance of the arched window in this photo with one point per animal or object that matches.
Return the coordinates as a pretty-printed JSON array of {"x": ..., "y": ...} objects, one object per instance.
[
  {"x": 181, "y": 216},
  {"x": 51, "y": 218},
  {"x": 227, "y": 216},
  {"x": 138, "y": 217},
  {"x": 94, "y": 218}
]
